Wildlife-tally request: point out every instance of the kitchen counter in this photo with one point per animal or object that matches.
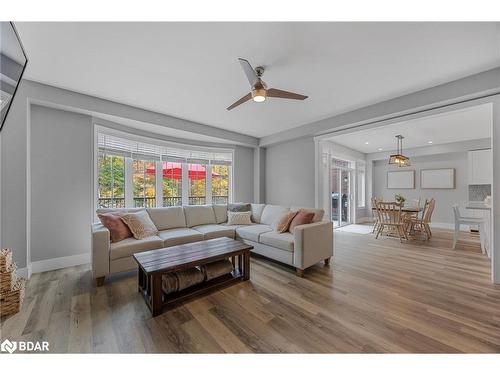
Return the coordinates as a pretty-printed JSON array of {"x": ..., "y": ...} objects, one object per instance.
[{"x": 485, "y": 229}]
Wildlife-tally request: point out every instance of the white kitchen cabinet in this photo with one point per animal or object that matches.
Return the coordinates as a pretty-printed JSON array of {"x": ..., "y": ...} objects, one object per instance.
[{"x": 480, "y": 167}]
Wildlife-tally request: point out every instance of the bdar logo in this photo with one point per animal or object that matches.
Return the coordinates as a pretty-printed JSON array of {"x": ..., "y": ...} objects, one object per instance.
[{"x": 8, "y": 346}]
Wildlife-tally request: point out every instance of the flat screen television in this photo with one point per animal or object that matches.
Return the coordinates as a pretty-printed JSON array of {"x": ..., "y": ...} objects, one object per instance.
[{"x": 13, "y": 61}]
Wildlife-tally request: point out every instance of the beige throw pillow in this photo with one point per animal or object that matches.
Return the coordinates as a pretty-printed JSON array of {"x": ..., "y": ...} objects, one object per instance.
[
  {"x": 281, "y": 225},
  {"x": 239, "y": 218},
  {"x": 140, "y": 224}
]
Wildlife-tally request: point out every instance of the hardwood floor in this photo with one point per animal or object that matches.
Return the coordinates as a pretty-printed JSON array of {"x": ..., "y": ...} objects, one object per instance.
[{"x": 376, "y": 296}]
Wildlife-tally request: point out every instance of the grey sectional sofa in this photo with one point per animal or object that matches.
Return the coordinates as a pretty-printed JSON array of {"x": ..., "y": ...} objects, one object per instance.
[{"x": 308, "y": 244}]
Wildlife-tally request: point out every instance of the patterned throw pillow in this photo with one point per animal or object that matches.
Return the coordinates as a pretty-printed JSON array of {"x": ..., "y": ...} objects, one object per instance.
[
  {"x": 118, "y": 231},
  {"x": 281, "y": 225},
  {"x": 239, "y": 218},
  {"x": 140, "y": 224}
]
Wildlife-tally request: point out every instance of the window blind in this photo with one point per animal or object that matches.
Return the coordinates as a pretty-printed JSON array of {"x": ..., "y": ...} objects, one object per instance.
[{"x": 110, "y": 144}]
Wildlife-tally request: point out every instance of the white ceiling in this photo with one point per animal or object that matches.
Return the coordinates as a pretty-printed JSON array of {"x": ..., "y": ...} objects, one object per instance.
[
  {"x": 190, "y": 70},
  {"x": 456, "y": 126}
]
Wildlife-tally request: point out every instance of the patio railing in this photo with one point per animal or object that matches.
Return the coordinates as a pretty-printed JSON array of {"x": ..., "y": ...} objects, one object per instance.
[
  {"x": 196, "y": 200},
  {"x": 111, "y": 202},
  {"x": 220, "y": 199},
  {"x": 167, "y": 201}
]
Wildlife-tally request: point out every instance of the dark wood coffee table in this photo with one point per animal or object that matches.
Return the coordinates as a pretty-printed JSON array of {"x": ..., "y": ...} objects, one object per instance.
[{"x": 154, "y": 263}]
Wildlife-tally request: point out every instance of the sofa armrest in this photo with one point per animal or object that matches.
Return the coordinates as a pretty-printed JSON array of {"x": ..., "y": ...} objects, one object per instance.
[
  {"x": 100, "y": 250},
  {"x": 312, "y": 243}
]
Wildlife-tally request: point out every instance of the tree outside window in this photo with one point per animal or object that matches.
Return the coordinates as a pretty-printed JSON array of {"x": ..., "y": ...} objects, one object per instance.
[
  {"x": 111, "y": 178},
  {"x": 143, "y": 183},
  {"x": 220, "y": 184}
]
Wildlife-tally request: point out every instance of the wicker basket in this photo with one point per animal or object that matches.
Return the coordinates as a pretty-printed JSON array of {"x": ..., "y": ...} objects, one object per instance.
[
  {"x": 5, "y": 259},
  {"x": 8, "y": 278},
  {"x": 11, "y": 301}
]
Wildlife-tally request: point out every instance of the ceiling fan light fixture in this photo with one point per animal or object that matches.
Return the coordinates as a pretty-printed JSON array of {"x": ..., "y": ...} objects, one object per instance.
[{"x": 259, "y": 95}]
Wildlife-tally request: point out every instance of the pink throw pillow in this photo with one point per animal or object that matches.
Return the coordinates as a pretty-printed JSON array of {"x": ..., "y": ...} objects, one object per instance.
[
  {"x": 117, "y": 228},
  {"x": 302, "y": 217}
]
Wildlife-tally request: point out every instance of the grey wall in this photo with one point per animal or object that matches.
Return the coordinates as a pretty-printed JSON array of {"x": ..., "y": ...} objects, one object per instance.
[
  {"x": 47, "y": 126},
  {"x": 243, "y": 174},
  {"x": 445, "y": 198},
  {"x": 14, "y": 154},
  {"x": 61, "y": 188},
  {"x": 290, "y": 173}
]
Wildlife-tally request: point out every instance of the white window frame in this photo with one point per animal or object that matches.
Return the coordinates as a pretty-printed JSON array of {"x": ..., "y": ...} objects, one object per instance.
[
  {"x": 360, "y": 185},
  {"x": 129, "y": 199}
]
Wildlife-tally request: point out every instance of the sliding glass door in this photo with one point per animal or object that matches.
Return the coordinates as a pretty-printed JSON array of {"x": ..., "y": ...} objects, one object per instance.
[{"x": 341, "y": 192}]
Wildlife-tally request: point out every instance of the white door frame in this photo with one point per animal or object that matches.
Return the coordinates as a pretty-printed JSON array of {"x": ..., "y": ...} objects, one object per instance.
[{"x": 351, "y": 194}]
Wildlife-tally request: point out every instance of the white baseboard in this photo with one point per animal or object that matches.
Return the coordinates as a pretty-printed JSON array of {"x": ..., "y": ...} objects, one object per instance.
[
  {"x": 365, "y": 219},
  {"x": 24, "y": 272},
  {"x": 450, "y": 226},
  {"x": 57, "y": 263}
]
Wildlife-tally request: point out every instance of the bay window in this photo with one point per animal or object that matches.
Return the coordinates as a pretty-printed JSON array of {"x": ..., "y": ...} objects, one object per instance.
[
  {"x": 197, "y": 183},
  {"x": 111, "y": 178},
  {"x": 138, "y": 172},
  {"x": 143, "y": 182},
  {"x": 220, "y": 184},
  {"x": 172, "y": 184}
]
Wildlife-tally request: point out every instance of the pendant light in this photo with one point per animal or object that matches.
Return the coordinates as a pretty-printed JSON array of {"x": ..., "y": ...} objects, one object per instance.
[{"x": 399, "y": 159}]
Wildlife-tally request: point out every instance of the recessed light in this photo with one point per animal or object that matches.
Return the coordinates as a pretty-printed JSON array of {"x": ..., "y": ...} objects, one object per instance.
[
  {"x": 367, "y": 143},
  {"x": 380, "y": 149},
  {"x": 429, "y": 142}
]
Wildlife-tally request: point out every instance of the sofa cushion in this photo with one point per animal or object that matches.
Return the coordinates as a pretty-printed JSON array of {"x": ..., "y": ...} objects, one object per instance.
[
  {"x": 167, "y": 217},
  {"x": 220, "y": 211},
  {"x": 210, "y": 231},
  {"x": 252, "y": 232},
  {"x": 179, "y": 236},
  {"x": 318, "y": 212},
  {"x": 282, "y": 241},
  {"x": 198, "y": 215},
  {"x": 272, "y": 214},
  {"x": 129, "y": 246},
  {"x": 257, "y": 209}
]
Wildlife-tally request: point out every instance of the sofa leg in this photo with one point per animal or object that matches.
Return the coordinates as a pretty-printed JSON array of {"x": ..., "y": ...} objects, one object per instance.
[
  {"x": 99, "y": 281},
  {"x": 327, "y": 261},
  {"x": 300, "y": 272}
]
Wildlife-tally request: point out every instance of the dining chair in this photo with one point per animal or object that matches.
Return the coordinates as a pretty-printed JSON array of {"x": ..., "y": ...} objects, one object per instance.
[
  {"x": 390, "y": 216},
  {"x": 375, "y": 213},
  {"x": 409, "y": 217},
  {"x": 422, "y": 224},
  {"x": 459, "y": 219}
]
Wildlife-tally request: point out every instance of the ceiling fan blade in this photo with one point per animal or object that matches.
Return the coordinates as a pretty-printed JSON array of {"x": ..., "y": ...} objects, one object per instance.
[
  {"x": 275, "y": 93},
  {"x": 241, "y": 101},
  {"x": 249, "y": 71}
]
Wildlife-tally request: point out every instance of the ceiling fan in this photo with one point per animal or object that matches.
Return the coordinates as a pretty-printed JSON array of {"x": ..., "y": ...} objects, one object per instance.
[{"x": 259, "y": 90}]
